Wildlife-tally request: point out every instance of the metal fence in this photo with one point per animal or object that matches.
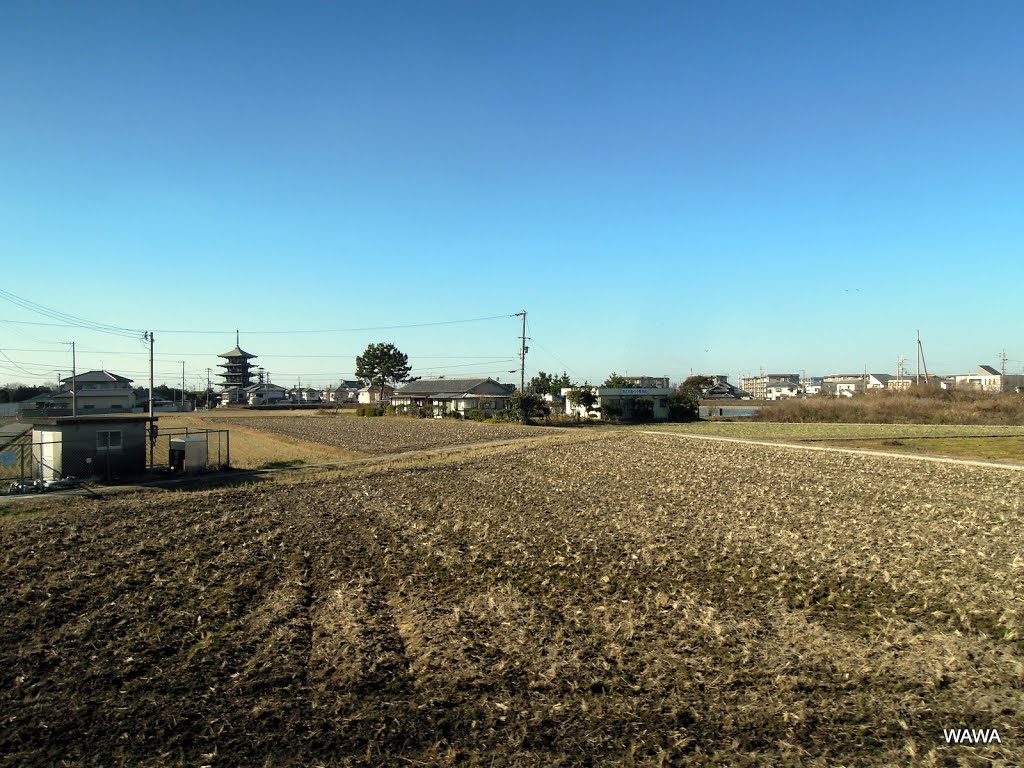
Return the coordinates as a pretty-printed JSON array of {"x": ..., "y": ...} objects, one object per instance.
[
  {"x": 26, "y": 462},
  {"x": 166, "y": 450},
  {"x": 16, "y": 463}
]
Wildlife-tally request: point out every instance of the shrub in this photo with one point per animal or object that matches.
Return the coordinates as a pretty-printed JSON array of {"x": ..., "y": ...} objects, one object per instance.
[{"x": 476, "y": 414}]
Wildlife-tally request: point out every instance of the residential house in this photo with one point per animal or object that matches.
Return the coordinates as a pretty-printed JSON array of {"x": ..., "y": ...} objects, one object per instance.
[
  {"x": 646, "y": 381},
  {"x": 304, "y": 395},
  {"x": 988, "y": 379},
  {"x": 620, "y": 402},
  {"x": 758, "y": 386},
  {"x": 346, "y": 392},
  {"x": 879, "y": 380},
  {"x": 370, "y": 395},
  {"x": 781, "y": 389},
  {"x": 815, "y": 386},
  {"x": 450, "y": 396},
  {"x": 265, "y": 393},
  {"x": 848, "y": 387},
  {"x": 95, "y": 392}
]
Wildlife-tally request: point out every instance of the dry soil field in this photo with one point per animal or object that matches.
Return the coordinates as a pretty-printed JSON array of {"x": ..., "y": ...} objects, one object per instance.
[{"x": 620, "y": 599}]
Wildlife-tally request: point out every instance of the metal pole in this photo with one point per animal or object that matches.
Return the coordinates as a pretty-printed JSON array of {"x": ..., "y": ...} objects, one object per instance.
[{"x": 182, "y": 386}]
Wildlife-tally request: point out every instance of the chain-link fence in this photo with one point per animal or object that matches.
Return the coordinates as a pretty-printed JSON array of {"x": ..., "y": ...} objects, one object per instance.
[
  {"x": 16, "y": 464},
  {"x": 27, "y": 464},
  {"x": 185, "y": 449}
]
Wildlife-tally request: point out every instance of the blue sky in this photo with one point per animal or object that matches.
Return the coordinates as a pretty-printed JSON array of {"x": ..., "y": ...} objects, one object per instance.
[{"x": 664, "y": 187}]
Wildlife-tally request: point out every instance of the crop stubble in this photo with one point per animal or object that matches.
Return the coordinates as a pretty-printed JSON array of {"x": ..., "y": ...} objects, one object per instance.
[{"x": 639, "y": 599}]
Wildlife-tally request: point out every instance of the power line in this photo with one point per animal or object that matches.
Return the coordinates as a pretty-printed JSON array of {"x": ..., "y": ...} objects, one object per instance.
[
  {"x": 76, "y": 322},
  {"x": 343, "y": 330},
  {"x": 70, "y": 320}
]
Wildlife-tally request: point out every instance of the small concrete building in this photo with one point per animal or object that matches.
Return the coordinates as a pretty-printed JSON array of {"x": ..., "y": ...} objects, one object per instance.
[{"x": 108, "y": 447}]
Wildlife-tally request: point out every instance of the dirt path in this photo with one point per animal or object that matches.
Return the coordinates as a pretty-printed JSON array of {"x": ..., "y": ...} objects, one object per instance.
[{"x": 999, "y": 463}]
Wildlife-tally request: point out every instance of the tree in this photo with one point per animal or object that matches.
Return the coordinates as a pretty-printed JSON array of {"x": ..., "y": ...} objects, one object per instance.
[
  {"x": 582, "y": 397},
  {"x": 615, "y": 381},
  {"x": 684, "y": 403},
  {"x": 548, "y": 384},
  {"x": 698, "y": 384},
  {"x": 526, "y": 405},
  {"x": 540, "y": 384},
  {"x": 380, "y": 364}
]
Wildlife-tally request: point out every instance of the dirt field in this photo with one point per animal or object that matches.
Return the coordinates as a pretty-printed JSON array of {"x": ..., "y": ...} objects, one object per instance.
[
  {"x": 378, "y": 435},
  {"x": 626, "y": 600}
]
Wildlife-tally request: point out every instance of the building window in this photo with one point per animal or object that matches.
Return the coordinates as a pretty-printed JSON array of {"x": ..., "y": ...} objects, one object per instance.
[{"x": 109, "y": 441}]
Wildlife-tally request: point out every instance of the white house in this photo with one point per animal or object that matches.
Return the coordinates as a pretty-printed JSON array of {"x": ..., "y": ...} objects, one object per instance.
[
  {"x": 346, "y": 392},
  {"x": 265, "y": 393},
  {"x": 96, "y": 392},
  {"x": 879, "y": 380},
  {"x": 758, "y": 386},
  {"x": 988, "y": 379},
  {"x": 616, "y": 402},
  {"x": 370, "y": 395},
  {"x": 449, "y": 396},
  {"x": 848, "y": 387},
  {"x": 781, "y": 389}
]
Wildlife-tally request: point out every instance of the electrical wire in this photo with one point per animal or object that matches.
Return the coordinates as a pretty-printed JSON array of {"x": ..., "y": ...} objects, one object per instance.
[{"x": 72, "y": 320}]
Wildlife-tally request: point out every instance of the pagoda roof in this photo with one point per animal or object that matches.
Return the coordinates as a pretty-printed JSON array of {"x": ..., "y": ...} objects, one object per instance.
[{"x": 237, "y": 352}]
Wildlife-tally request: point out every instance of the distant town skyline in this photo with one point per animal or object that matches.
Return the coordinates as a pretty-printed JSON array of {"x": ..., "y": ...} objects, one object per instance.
[{"x": 664, "y": 188}]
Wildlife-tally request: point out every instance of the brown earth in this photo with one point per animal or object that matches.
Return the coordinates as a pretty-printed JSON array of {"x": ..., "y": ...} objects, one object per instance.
[
  {"x": 379, "y": 435},
  {"x": 629, "y": 600}
]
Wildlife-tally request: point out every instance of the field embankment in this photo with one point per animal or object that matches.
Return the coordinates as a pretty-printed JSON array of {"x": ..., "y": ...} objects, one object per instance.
[{"x": 637, "y": 599}]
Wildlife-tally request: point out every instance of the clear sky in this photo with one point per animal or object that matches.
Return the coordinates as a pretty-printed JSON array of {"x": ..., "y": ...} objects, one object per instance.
[{"x": 664, "y": 187}]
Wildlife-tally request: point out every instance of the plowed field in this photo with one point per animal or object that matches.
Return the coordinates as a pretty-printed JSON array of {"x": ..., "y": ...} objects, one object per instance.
[
  {"x": 631, "y": 600},
  {"x": 379, "y": 435}
]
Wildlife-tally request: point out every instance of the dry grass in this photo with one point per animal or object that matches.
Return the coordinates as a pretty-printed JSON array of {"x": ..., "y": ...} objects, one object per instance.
[
  {"x": 919, "y": 405},
  {"x": 619, "y": 599},
  {"x": 1001, "y": 448}
]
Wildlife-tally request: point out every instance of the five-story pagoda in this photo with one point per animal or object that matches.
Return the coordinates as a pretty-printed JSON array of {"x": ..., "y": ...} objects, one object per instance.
[{"x": 237, "y": 372}]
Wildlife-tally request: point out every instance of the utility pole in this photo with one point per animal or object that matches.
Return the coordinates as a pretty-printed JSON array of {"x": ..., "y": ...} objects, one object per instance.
[
  {"x": 919, "y": 356},
  {"x": 523, "y": 349},
  {"x": 1002, "y": 361},
  {"x": 899, "y": 371},
  {"x": 920, "y": 353},
  {"x": 74, "y": 381},
  {"x": 182, "y": 386},
  {"x": 207, "y": 389},
  {"x": 148, "y": 336}
]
